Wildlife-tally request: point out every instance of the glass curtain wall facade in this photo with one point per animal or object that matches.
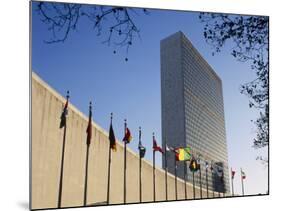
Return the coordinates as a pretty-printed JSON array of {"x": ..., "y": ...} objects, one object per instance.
[{"x": 192, "y": 110}]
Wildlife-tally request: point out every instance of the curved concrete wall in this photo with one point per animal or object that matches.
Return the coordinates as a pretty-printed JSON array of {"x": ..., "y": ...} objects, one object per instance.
[{"x": 46, "y": 149}]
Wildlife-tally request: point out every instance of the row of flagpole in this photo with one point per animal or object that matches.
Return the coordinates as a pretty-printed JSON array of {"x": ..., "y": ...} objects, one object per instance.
[
  {"x": 178, "y": 152},
  {"x": 243, "y": 177}
]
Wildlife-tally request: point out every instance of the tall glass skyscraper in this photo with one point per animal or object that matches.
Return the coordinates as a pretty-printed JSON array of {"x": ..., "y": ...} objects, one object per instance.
[{"x": 192, "y": 110}]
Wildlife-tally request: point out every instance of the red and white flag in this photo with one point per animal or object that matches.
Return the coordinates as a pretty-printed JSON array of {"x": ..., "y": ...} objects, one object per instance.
[
  {"x": 232, "y": 174},
  {"x": 243, "y": 175},
  {"x": 156, "y": 147}
]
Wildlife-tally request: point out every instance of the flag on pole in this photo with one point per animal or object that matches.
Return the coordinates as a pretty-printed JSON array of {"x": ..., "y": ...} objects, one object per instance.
[
  {"x": 62, "y": 125},
  {"x": 183, "y": 154},
  {"x": 64, "y": 114},
  {"x": 243, "y": 175},
  {"x": 193, "y": 166},
  {"x": 169, "y": 149},
  {"x": 128, "y": 137},
  {"x": 140, "y": 146},
  {"x": 89, "y": 128},
  {"x": 212, "y": 167},
  {"x": 232, "y": 174},
  {"x": 156, "y": 147},
  {"x": 112, "y": 140},
  {"x": 176, "y": 151},
  {"x": 141, "y": 149},
  {"x": 206, "y": 164}
]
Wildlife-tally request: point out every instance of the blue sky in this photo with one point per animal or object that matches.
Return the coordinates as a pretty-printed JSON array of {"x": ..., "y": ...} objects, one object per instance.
[{"x": 131, "y": 90}]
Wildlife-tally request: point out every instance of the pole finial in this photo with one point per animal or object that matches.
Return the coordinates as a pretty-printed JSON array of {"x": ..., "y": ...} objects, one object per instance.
[
  {"x": 139, "y": 128},
  {"x": 111, "y": 117},
  {"x": 90, "y": 105},
  {"x": 153, "y": 133},
  {"x": 67, "y": 94}
]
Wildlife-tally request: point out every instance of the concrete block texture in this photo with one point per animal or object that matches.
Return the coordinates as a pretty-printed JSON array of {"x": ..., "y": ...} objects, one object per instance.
[{"x": 46, "y": 152}]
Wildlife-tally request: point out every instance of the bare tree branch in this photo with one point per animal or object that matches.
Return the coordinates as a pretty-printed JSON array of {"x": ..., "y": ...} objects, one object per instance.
[{"x": 116, "y": 22}]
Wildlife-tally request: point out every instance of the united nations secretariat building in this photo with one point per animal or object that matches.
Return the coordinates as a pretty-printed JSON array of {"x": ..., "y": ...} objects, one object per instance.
[{"x": 192, "y": 110}]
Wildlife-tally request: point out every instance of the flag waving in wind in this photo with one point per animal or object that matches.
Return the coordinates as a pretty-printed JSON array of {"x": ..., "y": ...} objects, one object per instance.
[
  {"x": 169, "y": 149},
  {"x": 89, "y": 128},
  {"x": 112, "y": 140},
  {"x": 193, "y": 166},
  {"x": 206, "y": 164},
  {"x": 243, "y": 175},
  {"x": 212, "y": 167},
  {"x": 141, "y": 149},
  {"x": 232, "y": 174},
  {"x": 183, "y": 154},
  {"x": 156, "y": 147},
  {"x": 127, "y": 138},
  {"x": 64, "y": 112}
]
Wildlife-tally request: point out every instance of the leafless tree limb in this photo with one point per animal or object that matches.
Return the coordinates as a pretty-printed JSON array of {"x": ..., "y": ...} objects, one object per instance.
[{"x": 116, "y": 22}]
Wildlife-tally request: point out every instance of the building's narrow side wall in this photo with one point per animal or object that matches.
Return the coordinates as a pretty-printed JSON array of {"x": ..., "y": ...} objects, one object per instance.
[{"x": 172, "y": 109}]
